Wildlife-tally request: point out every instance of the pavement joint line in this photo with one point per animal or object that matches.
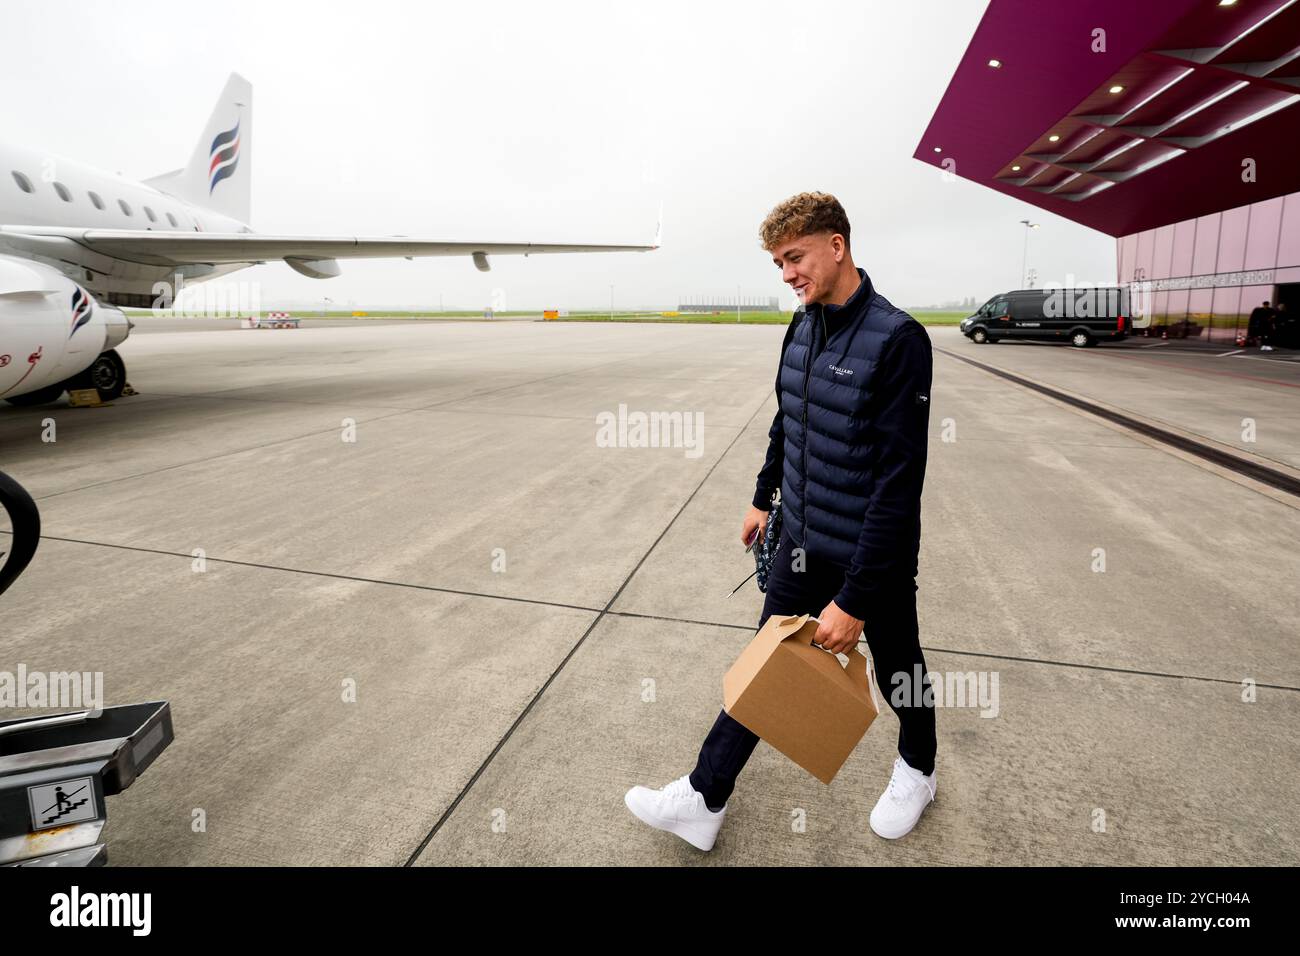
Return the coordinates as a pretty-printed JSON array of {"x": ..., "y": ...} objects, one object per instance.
[
  {"x": 1133, "y": 672},
  {"x": 1260, "y": 358},
  {"x": 1256, "y": 471},
  {"x": 628, "y": 614},
  {"x": 1192, "y": 370},
  {"x": 322, "y": 574},
  {"x": 469, "y": 784},
  {"x": 1002, "y": 657},
  {"x": 293, "y": 438},
  {"x": 1129, "y": 446}
]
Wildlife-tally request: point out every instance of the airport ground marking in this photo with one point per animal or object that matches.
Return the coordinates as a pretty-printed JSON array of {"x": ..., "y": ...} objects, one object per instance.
[
  {"x": 1256, "y": 471},
  {"x": 469, "y": 784},
  {"x": 632, "y": 614}
]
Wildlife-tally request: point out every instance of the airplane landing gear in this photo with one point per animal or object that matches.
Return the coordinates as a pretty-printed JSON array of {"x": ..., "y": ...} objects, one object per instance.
[{"x": 107, "y": 375}]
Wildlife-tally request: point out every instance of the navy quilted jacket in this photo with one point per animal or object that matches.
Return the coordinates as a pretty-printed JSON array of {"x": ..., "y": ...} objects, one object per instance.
[{"x": 847, "y": 447}]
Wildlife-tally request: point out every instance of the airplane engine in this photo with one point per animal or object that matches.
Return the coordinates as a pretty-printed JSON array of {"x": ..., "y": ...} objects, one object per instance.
[{"x": 55, "y": 336}]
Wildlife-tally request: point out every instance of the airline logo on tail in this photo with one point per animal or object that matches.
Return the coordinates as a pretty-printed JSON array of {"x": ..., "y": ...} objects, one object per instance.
[
  {"x": 224, "y": 158},
  {"x": 81, "y": 309}
]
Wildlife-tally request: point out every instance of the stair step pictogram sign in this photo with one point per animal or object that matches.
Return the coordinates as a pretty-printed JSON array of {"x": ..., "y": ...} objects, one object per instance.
[{"x": 62, "y": 803}]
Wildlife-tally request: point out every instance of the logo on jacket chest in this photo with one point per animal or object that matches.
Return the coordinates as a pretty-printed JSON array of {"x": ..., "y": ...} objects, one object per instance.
[{"x": 839, "y": 372}]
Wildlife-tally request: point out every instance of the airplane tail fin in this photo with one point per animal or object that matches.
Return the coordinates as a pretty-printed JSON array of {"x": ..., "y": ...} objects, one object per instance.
[{"x": 217, "y": 176}]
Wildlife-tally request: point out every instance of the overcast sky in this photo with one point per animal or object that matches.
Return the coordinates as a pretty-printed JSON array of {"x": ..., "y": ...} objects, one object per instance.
[{"x": 547, "y": 121}]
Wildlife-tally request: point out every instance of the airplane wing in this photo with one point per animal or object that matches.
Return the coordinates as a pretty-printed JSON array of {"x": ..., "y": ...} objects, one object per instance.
[{"x": 195, "y": 248}]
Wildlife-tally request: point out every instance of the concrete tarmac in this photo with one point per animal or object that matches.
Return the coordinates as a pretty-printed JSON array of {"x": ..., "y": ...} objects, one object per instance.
[
  {"x": 432, "y": 620},
  {"x": 1240, "y": 397}
]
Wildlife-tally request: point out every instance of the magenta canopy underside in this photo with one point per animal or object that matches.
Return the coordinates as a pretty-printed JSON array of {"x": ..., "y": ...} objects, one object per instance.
[{"x": 1161, "y": 110}]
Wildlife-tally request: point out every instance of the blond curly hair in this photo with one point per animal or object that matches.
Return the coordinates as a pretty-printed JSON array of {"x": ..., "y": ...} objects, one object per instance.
[{"x": 802, "y": 215}]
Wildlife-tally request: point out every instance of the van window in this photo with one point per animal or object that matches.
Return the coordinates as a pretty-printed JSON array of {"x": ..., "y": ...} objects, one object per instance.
[
  {"x": 1027, "y": 305},
  {"x": 1000, "y": 308}
]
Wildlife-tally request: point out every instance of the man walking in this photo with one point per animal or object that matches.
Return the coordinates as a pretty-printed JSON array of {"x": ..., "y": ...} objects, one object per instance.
[
  {"x": 847, "y": 450},
  {"x": 1259, "y": 325}
]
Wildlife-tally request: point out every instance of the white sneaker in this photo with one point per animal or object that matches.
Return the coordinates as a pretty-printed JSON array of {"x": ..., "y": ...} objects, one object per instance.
[
  {"x": 678, "y": 808},
  {"x": 904, "y": 800},
  {"x": 1266, "y": 348}
]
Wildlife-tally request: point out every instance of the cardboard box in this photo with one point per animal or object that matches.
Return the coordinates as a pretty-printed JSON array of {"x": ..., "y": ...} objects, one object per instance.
[{"x": 798, "y": 697}]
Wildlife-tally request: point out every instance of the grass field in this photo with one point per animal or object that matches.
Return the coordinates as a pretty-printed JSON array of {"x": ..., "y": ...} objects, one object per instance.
[{"x": 926, "y": 317}]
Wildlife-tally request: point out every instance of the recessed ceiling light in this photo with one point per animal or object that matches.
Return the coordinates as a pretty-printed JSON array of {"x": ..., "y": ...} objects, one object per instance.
[
  {"x": 938, "y": 149},
  {"x": 1015, "y": 169},
  {"x": 1053, "y": 138},
  {"x": 1117, "y": 89},
  {"x": 995, "y": 63},
  {"x": 1227, "y": 3}
]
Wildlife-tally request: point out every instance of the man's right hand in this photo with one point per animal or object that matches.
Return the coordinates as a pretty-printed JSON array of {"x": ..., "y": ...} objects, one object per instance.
[{"x": 755, "y": 522}]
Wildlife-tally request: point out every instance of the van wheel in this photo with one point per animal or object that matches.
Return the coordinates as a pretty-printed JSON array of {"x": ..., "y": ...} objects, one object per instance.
[
  {"x": 1080, "y": 339},
  {"x": 979, "y": 336}
]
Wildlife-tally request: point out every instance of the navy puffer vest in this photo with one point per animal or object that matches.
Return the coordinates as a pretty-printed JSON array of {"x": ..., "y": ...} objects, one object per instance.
[{"x": 828, "y": 374}]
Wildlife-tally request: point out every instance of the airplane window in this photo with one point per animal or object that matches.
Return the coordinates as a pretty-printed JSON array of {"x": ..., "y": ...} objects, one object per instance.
[
  {"x": 121, "y": 203},
  {"x": 95, "y": 200},
  {"x": 172, "y": 220},
  {"x": 62, "y": 190},
  {"x": 23, "y": 182},
  {"x": 149, "y": 212}
]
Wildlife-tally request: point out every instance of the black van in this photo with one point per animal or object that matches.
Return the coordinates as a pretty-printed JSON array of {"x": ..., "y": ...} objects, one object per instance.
[{"x": 1080, "y": 315}]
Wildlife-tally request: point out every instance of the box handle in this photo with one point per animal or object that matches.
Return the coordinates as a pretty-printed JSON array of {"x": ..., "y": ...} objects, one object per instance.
[
  {"x": 795, "y": 620},
  {"x": 856, "y": 668}
]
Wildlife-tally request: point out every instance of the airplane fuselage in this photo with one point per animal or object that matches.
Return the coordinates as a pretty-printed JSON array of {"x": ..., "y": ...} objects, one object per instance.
[
  {"x": 77, "y": 244},
  {"x": 39, "y": 192}
]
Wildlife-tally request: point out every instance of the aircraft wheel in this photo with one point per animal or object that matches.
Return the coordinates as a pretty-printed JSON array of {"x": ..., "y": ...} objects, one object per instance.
[{"x": 107, "y": 375}]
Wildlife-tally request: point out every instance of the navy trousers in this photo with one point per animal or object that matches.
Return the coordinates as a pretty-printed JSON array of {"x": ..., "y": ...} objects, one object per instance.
[{"x": 895, "y": 645}]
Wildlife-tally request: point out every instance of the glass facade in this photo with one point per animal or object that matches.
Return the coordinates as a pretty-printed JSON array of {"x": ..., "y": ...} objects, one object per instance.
[{"x": 1203, "y": 276}]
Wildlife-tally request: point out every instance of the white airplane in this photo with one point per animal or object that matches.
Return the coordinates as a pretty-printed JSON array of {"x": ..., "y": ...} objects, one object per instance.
[{"x": 84, "y": 241}]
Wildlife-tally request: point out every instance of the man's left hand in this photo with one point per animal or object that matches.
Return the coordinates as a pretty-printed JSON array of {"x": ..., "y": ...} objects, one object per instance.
[{"x": 838, "y": 632}]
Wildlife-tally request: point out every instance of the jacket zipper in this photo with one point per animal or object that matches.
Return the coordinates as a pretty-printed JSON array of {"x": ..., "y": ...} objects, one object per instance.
[{"x": 807, "y": 368}]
